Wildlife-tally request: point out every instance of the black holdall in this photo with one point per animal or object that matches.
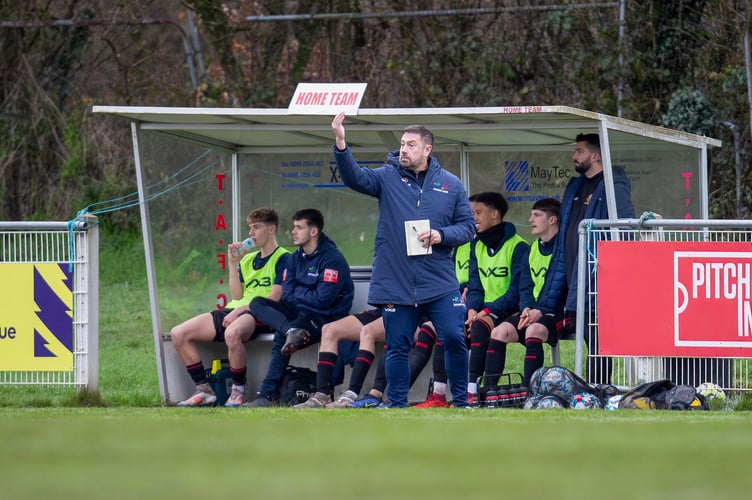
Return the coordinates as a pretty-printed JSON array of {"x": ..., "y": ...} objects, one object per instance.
[
  {"x": 220, "y": 380},
  {"x": 297, "y": 385}
]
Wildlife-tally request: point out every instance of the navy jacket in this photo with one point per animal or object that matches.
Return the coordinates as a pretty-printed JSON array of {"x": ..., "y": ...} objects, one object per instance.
[
  {"x": 319, "y": 282},
  {"x": 398, "y": 278},
  {"x": 556, "y": 295}
]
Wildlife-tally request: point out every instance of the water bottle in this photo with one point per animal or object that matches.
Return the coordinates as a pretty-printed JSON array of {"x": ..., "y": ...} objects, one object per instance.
[{"x": 244, "y": 248}]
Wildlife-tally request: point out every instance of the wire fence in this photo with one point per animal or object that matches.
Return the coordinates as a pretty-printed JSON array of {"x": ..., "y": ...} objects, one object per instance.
[
  {"x": 731, "y": 373},
  {"x": 49, "y": 335}
]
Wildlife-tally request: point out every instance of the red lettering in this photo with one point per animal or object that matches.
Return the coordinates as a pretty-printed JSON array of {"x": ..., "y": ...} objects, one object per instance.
[
  {"x": 222, "y": 260},
  {"x": 687, "y": 176},
  {"x": 220, "y": 179},
  {"x": 343, "y": 99},
  {"x": 221, "y": 224},
  {"x": 221, "y": 301},
  {"x": 312, "y": 98}
]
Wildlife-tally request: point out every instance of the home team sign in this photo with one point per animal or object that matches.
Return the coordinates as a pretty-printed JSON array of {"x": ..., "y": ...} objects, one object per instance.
[
  {"x": 675, "y": 299},
  {"x": 326, "y": 98}
]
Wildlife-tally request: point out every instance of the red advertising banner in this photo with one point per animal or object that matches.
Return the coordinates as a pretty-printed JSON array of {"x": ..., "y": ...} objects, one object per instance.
[{"x": 675, "y": 299}]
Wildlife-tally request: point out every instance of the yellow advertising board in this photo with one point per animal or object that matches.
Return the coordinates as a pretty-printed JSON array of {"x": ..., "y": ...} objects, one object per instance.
[{"x": 36, "y": 317}]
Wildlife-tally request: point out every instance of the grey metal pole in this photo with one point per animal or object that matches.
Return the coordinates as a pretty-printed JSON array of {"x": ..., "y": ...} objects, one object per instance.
[
  {"x": 581, "y": 289},
  {"x": 151, "y": 274},
  {"x": 92, "y": 308},
  {"x": 620, "y": 84},
  {"x": 196, "y": 45}
]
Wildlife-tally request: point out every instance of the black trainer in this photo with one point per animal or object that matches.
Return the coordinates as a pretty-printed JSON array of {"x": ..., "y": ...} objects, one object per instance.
[
  {"x": 297, "y": 338},
  {"x": 260, "y": 401}
]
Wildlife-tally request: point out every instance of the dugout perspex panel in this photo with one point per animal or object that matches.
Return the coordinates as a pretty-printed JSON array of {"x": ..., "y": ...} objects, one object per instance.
[{"x": 201, "y": 170}]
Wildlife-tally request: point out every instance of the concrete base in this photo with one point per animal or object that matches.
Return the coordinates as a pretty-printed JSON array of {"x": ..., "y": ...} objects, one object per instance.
[{"x": 180, "y": 386}]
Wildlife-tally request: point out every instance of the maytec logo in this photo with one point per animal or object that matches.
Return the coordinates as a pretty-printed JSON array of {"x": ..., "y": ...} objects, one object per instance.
[
  {"x": 517, "y": 178},
  {"x": 389, "y": 308},
  {"x": 441, "y": 187},
  {"x": 312, "y": 271},
  {"x": 457, "y": 301}
]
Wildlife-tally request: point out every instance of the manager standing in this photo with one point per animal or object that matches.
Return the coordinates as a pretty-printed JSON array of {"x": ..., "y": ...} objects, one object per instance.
[{"x": 423, "y": 214}]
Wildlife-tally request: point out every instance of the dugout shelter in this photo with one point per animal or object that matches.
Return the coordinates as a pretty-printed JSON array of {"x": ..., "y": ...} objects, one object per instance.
[{"x": 201, "y": 170}]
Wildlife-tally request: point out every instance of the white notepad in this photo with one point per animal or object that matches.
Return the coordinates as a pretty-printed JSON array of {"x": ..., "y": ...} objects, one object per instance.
[{"x": 412, "y": 229}]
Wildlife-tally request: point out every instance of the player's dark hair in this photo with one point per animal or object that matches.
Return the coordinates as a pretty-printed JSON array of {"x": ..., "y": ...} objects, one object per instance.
[
  {"x": 311, "y": 216},
  {"x": 493, "y": 200},
  {"x": 549, "y": 205}
]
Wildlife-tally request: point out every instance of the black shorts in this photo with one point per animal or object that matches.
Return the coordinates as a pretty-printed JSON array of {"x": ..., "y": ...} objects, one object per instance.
[
  {"x": 557, "y": 325},
  {"x": 218, "y": 315},
  {"x": 498, "y": 318},
  {"x": 368, "y": 316},
  {"x": 371, "y": 315}
]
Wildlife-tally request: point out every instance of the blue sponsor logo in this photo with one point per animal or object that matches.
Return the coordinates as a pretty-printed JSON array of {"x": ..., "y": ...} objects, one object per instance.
[{"x": 517, "y": 178}]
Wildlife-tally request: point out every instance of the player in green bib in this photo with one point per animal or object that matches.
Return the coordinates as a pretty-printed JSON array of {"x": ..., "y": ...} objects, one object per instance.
[
  {"x": 499, "y": 281},
  {"x": 256, "y": 273},
  {"x": 529, "y": 327}
]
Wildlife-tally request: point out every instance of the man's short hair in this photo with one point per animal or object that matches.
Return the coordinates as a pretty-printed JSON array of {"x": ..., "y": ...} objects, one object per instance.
[
  {"x": 592, "y": 140},
  {"x": 549, "y": 205},
  {"x": 493, "y": 200},
  {"x": 311, "y": 216},
  {"x": 263, "y": 214},
  {"x": 425, "y": 135}
]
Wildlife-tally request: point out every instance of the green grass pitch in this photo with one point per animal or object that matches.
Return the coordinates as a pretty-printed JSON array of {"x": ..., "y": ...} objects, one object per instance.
[{"x": 280, "y": 453}]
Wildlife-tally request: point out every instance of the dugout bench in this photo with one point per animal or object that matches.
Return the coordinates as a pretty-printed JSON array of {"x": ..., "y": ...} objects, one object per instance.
[{"x": 180, "y": 386}]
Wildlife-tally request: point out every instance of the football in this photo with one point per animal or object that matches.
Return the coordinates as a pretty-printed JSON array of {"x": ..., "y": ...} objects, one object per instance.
[
  {"x": 535, "y": 381},
  {"x": 531, "y": 402},
  {"x": 550, "y": 402},
  {"x": 709, "y": 391},
  {"x": 556, "y": 381},
  {"x": 584, "y": 401},
  {"x": 613, "y": 402}
]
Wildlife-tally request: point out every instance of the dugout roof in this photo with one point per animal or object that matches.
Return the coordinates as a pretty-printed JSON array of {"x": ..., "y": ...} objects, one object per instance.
[{"x": 530, "y": 126}]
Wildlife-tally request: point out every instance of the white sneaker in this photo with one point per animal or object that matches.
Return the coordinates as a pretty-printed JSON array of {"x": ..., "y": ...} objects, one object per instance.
[
  {"x": 318, "y": 400},
  {"x": 204, "y": 396},
  {"x": 343, "y": 400},
  {"x": 237, "y": 398}
]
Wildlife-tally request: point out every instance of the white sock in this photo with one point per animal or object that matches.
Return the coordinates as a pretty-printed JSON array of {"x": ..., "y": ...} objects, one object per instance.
[
  {"x": 439, "y": 388},
  {"x": 472, "y": 387},
  {"x": 240, "y": 388}
]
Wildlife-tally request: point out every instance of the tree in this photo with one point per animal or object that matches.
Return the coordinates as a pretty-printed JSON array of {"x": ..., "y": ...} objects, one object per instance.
[{"x": 466, "y": 53}]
